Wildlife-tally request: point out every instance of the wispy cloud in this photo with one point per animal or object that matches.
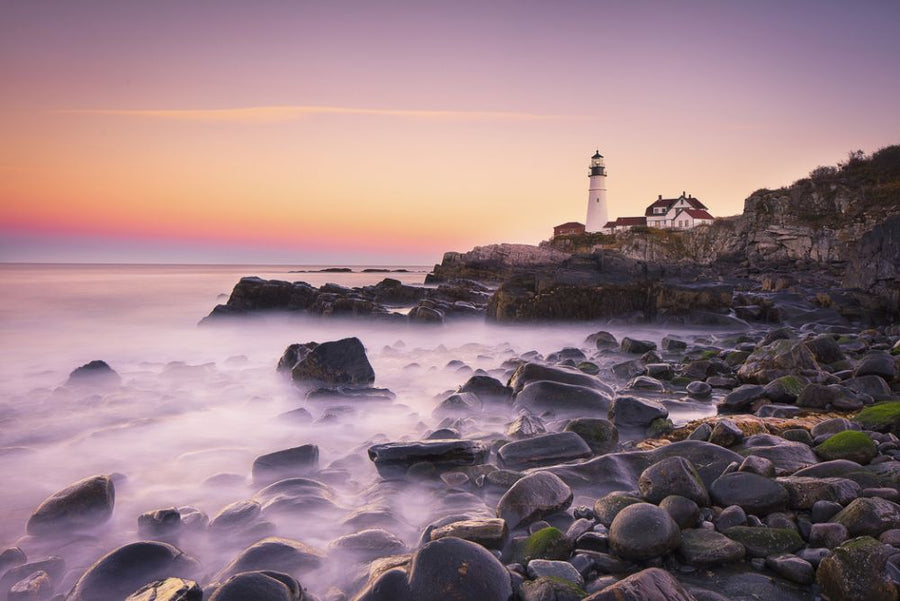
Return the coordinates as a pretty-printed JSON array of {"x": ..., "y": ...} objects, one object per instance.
[{"x": 273, "y": 114}]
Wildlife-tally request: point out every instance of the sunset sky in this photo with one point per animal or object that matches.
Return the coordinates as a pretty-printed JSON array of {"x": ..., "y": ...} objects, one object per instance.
[{"x": 390, "y": 131}]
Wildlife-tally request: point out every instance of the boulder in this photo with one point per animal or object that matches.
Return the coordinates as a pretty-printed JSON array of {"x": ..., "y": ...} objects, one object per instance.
[
  {"x": 785, "y": 389},
  {"x": 235, "y": 516},
  {"x": 366, "y": 545},
  {"x": 285, "y": 464},
  {"x": 452, "y": 568},
  {"x": 546, "y": 449},
  {"x": 96, "y": 372},
  {"x": 547, "y": 543},
  {"x": 740, "y": 399},
  {"x": 80, "y": 506},
  {"x": 459, "y": 404},
  {"x": 643, "y": 531},
  {"x": 274, "y": 553},
  {"x": 685, "y": 512},
  {"x": 672, "y": 476},
  {"x": 533, "y": 497},
  {"x": 635, "y": 412},
  {"x": 883, "y": 417},
  {"x": 652, "y": 584},
  {"x": 489, "y": 532},
  {"x": 563, "y": 399},
  {"x": 123, "y": 571},
  {"x": 533, "y": 372},
  {"x": 726, "y": 433},
  {"x": 560, "y": 570},
  {"x": 607, "y": 507},
  {"x": 772, "y": 361},
  {"x": 791, "y": 567},
  {"x": 755, "y": 494},
  {"x": 701, "y": 547},
  {"x": 857, "y": 571},
  {"x": 869, "y": 516},
  {"x": 877, "y": 363},
  {"x": 804, "y": 492},
  {"x": 545, "y": 588},
  {"x": 294, "y": 354},
  {"x": 637, "y": 347},
  {"x": 488, "y": 389},
  {"x": 338, "y": 363},
  {"x": 849, "y": 444},
  {"x": 762, "y": 542},
  {"x": 259, "y": 586},
  {"x": 392, "y": 459},
  {"x": 599, "y": 434}
]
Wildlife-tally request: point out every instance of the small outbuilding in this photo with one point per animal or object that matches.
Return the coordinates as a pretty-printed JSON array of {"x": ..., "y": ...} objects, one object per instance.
[{"x": 572, "y": 228}]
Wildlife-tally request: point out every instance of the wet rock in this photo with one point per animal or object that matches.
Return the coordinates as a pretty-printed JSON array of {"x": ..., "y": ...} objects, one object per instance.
[
  {"x": 762, "y": 542},
  {"x": 646, "y": 383},
  {"x": 53, "y": 567},
  {"x": 684, "y": 511},
  {"x": 599, "y": 434},
  {"x": 532, "y": 498},
  {"x": 459, "y": 404},
  {"x": 831, "y": 426},
  {"x": 856, "y": 571},
  {"x": 822, "y": 511},
  {"x": 488, "y": 389},
  {"x": 601, "y": 339},
  {"x": 827, "y": 536},
  {"x": 805, "y": 492},
  {"x": 547, "y": 449},
  {"x": 869, "y": 516},
  {"x": 785, "y": 389},
  {"x": 652, "y": 584},
  {"x": 643, "y": 531},
  {"x": 877, "y": 363},
  {"x": 367, "y": 545},
  {"x": 874, "y": 386},
  {"x": 740, "y": 399},
  {"x": 607, "y": 507},
  {"x": 562, "y": 570},
  {"x": 849, "y": 444},
  {"x": 701, "y": 432},
  {"x": 36, "y": 587},
  {"x": 452, "y": 568},
  {"x": 634, "y": 412},
  {"x": 753, "y": 493},
  {"x": 391, "y": 585},
  {"x": 672, "y": 476},
  {"x": 274, "y": 553},
  {"x": 547, "y": 588},
  {"x": 699, "y": 390},
  {"x": 733, "y": 515},
  {"x": 726, "y": 434},
  {"x": 820, "y": 396},
  {"x": 490, "y": 533},
  {"x": 637, "y": 347},
  {"x": 791, "y": 568},
  {"x": 525, "y": 426},
  {"x": 259, "y": 586},
  {"x": 11, "y": 557},
  {"x": 394, "y": 458},
  {"x": 159, "y": 523},
  {"x": 82, "y": 505},
  {"x": 533, "y": 372},
  {"x": 758, "y": 465},
  {"x": 338, "y": 363},
  {"x": 236, "y": 516},
  {"x": 787, "y": 457},
  {"x": 94, "y": 373},
  {"x": 545, "y": 543},
  {"x": 883, "y": 417},
  {"x": 673, "y": 345},
  {"x": 702, "y": 548},
  {"x": 561, "y": 398},
  {"x": 294, "y": 354},
  {"x": 126, "y": 569},
  {"x": 170, "y": 589},
  {"x": 296, "y": 494},
  {"x": 772, "y": 361}
]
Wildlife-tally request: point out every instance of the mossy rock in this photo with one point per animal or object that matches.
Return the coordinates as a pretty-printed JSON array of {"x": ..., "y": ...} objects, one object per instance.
[
  {"x": 547, "y": 543},
  {"x": 762, "y": 542},
  {"x": 791, "y": 385},
  {"x": 856, "y": 570},
  {"x": 599, "y": 434},
  {"x": 551, "y": 587},
  {"x": 681, "y": 381},
  {"x": 849, "y": 444},
  {"x": 660, "y": 427},
  {"x": 882, "y": 417},
  {"x": 589, "y": 368}
]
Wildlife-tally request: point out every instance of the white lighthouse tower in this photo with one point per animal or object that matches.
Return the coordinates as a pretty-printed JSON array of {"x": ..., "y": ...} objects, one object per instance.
[{"x": 596, "y": 211}]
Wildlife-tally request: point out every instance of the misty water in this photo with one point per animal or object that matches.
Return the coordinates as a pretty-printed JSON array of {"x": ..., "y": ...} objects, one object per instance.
[{"x": 196, "y": 405}]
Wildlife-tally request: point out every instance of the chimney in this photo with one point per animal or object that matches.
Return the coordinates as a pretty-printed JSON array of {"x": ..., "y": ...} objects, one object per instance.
[{"x": 660, "y": 197}]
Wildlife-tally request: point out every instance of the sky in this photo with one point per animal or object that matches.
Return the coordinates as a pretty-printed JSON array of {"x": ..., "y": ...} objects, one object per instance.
[{"x": 366, "y": 132}]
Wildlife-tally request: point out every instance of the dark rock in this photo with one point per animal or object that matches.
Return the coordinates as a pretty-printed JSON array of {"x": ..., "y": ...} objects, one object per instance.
[
  {"x": 740, "y": 399},
  {"x": 701, "y": 547},
  {"x": 637, "y": 347},
  {"x": 601, "y": 340},
  {"x": 877, "y": 363},
  {"x": 549, "y": 589},
  {"x": 286, "y": 463},
  {"x": 525, "y": 426},
  {"x": 785, "y": 389},
  {"x": 819, "y": 396},
  {"x": 607, "y": 507},
  {"x": 36, "y": 587},
  {"x": 159, "y": 523},
  {"x": 831, "y": 426},
  {"x": 534, "y": 497},
  {"x": 646, "y": 383},
  {"x": 599, "y": 434},
  {"x": 53, "y": 566},
  {"x": 82, "y": 505},
  {"x": 546, "y": 449},
  {"x": 635, "y": 412},
  {"x": 274, "y": 553},
  {"x": 755, "y": 494},
  {"x": 684, "y": 511},
  {"x": 488, "y": 389},
  {"x": 643, "y": 531},
  {"x": 798, "y": 435},
  {"x": 452, "y": 568},
  {"x": 780, "y": 358},
  {"x": 294, "y": 354},
  {"x": 491, "y": 533},
  {"x": 366, "y": 545},
  {"x": 338, "y": 363},
  {"x": 805, "y": 492},
  {"x": 235, "y": 516},
  {"x": 701, "y": 432},
  {"x": 672, "y": 476},
  {"x": 459, "y": 404},
  {"x": 869, "y": 516},
  {"x": 259, "y": 586},
  {"x": 652, "y": 584},
  {"x": 673, "y": 345},
  {"x": 350, "y": 393},
  {"x": 96, "y": 372},
  {"x": 873, "y": 386},
  {"x": 545, "y": 543},
  {"x": 822, "y": 511},
  {"x": 11, "y": 557},
  {"x": 827, "y": 536},
  {"x": 394, "y": 458},
  {"x": 733, "y": 515},
  {"x": 533, "y": 372},
  {"x": 788, "y": 457},
  {"x": 726, "y": 434},
  {"x": 791, "y": 568},
  {"x": 825, "y": 349},
  {"x": 699, "y": 390},
  {"x": 170, "y": 589},
  {"x": 563, "y": 399},
  {"x": 856, "y": 571},
  {"x": 758, "y": 465},
  {"x": 391, "y": 585},
  {"x": 849, "y": 444},
  {"x": 762, "y": 542},
  {"x": 123, "y": 571},
  {"x": 785, "y": 411},
  {"x": 557, "y": 570},
  {"x": 296, "y": 494}
]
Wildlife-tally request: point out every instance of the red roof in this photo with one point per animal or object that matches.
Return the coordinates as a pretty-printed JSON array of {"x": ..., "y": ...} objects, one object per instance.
[
  {"x": 662, "y": 202},
  {"x": 569, "y": 224},
  {"x": 698, "y": 214},
  {"x": 609, "y": 224},
  {"x": 631, "y": 221},
  {"x": 696, "y": 203}
]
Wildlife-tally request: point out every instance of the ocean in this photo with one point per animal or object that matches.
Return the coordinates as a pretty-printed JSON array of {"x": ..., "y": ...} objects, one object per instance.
[{"x": 196, "y": 405}]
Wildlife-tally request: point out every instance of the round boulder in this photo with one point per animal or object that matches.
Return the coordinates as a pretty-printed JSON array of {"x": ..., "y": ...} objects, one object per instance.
[
  {"x": 672, "y": 476},
  {"x": 643, "y": 531},
  {"x": 84, "y": 504},
  {"x": 452, "y": 568},
  {"x": 753, "y": 493},
  {"x": 533, "y": 497}
]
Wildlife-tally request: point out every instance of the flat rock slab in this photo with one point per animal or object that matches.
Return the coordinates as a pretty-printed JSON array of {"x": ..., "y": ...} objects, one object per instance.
[
  {"x": 548, "y": 449},
  {"x": 392, "y": 459}
]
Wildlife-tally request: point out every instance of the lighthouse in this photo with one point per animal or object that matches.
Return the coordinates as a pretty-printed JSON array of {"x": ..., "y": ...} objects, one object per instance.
[{"x": 596, "y": 210}]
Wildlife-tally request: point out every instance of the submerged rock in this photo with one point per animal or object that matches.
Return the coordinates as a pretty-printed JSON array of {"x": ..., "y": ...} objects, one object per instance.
[
  {"x": 82, "y": 505},
  {"x": 286, "y": 463},
  {"x": 94, "y": 372}
]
